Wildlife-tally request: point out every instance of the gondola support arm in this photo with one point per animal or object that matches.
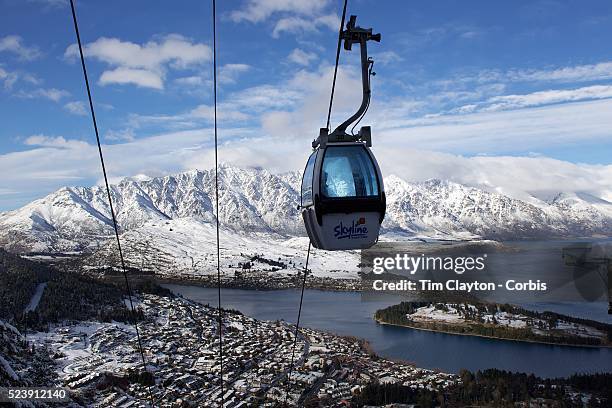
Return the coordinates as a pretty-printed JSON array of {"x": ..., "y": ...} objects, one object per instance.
[{"x": 354, "y": 34}]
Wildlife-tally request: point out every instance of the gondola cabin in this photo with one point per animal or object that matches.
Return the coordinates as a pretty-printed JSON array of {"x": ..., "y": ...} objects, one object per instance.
[{"x": 342, "y": 200}]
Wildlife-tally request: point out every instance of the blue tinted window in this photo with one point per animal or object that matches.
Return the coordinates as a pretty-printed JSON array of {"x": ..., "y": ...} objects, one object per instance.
[
  {"x": 348, "y": 171},
  {"x": 307, "y": 180}
]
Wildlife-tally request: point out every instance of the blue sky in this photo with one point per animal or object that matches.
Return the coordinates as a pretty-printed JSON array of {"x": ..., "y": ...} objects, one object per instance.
[{"x": 514, "y": 97}]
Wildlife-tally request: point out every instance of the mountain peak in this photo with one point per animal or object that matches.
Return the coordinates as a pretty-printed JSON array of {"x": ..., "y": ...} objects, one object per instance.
[{"x": 257, "y": 201}]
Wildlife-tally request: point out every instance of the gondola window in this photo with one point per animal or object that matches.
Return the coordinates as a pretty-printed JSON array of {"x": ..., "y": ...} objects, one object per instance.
[{"x": 348, "y": 171}]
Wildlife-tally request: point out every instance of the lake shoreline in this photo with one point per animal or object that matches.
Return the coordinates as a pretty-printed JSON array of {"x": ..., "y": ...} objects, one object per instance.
[
  {"x": 603, "y": 346},
  {"x": 338, "y": 286}
]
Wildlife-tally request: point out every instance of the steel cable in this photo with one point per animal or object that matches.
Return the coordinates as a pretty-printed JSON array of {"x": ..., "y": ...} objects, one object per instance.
[
  {"x": 108, "y": 192},
  {"x": 331, "y": 101},
  {"x": 219, "y": 310}
]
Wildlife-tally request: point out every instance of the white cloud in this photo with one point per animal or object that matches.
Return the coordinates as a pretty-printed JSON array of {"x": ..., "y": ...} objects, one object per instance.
[
  {"x": 171, "y": 49},
  {"x": 193, "y": 80},
  {"x": 52, "y": 3},
  {"x": 9, "y": 78},
  {"x": 76, "y": 108},
  {"x": 395, "y": 121},
  {"x": 55, "y": 161},
  {"x": 302, "y": 57},
  {"x": 601, "y": 71},
  {"x": 292, "y": 110},
  {"x": 229, "y": 73},
  {"x": 259, "y": 10},
  {"x": 139, "y": 77},
  {"x": 6, "y": 191},
  {"x": 52, "y": 162},
  {"x": 296, "y": 106},
  {"x": 387, "y": 57},
  {"x": 14, "y": 44},
  {"x": 577, "y": 73},
  {"x": 539, "y": 98},
  {"x": 202, "y": 83},
  {"x": 295, "y": 17},
  {"x": 223, "y": 113},
  {"x": 201, "y": 114},
  {"x": 306, "y": 112},
  {"x": 264, "y": 97},
  {"x": 432, "y": 36},
  {"x": 528, "y": 129},
  {"x": 143, "y": 65},
  {"x": 331, "y": 21},
  {"x": 549, "y": 97},
  {"x": 239, "y": 106},
  {"x": 124, "y": 135},
  {"x": 300, "y": 25},
  {"x": 49, "y": 163},
  {"x": 52, "y": 94},
  {"x": 518, "y": 177},
  {"x": 58, "y": 142}
]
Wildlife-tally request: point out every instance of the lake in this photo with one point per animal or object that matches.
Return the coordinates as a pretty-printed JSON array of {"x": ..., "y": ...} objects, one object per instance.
[{"x": 345, "y": 313}]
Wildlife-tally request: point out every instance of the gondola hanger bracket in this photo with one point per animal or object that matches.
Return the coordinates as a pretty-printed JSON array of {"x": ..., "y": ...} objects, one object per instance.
[{"x": 354, "y": 34}]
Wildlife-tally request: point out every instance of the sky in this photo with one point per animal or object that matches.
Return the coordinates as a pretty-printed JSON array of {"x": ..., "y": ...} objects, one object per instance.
[{"x": 513, "y": 97}]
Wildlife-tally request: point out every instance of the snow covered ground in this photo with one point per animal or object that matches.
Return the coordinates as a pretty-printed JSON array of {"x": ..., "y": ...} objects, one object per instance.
[
  {"x": 430, "y": 313},
  {"x": 455, "y": 314},
  {"x": 35, "y": 300},
  {"x": 187, "y": 248},
  {"x": 87, "y": 343}
]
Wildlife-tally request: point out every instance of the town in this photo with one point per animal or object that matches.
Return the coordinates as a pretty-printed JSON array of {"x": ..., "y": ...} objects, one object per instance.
[{"x": 180, "y": 339}]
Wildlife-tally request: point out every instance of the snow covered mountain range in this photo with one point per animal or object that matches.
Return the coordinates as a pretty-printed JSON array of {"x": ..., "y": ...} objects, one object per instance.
[{"x": 257, "y": 203}]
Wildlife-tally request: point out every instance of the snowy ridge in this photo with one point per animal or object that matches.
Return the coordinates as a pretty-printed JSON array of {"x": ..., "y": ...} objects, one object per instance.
[
  {"x": 259, "y": 206},
  {"x": 437, "y": 207}
]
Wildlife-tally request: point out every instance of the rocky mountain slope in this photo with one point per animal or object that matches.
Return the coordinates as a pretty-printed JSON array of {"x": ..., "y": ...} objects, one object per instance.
[{"x": 256, "y": 202}]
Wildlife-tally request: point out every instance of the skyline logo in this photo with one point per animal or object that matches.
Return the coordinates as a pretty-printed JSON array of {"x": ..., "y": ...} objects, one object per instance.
[{"x": 356, "y": 230}]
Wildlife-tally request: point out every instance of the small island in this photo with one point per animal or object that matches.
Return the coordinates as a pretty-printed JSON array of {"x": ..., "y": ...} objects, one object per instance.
[{"x": 499, "y": 321}]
